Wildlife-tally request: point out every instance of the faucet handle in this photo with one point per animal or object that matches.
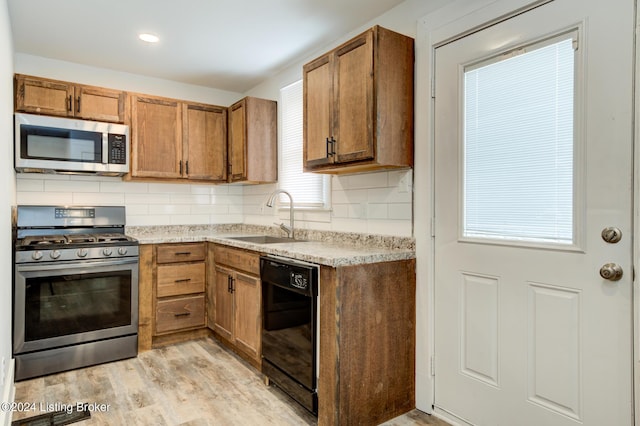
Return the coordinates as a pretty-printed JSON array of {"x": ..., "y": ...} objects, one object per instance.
[{"x": 285, "y": 228}]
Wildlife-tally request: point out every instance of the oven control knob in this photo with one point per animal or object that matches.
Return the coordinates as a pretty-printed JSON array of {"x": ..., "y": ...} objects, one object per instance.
[
  {"x": 83, "y": 252},
  {"x": 107, "y": 252},
  {"x": 37, "y": 255},
  {"x": 54, "y": 254},
  {"x": 122, "y": 251}
]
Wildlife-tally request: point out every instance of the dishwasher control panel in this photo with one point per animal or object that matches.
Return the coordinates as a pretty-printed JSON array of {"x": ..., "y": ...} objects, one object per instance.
[{"x": 290, "y": 273}]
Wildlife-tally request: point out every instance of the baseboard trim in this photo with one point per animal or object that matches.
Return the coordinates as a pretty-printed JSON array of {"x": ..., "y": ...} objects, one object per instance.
[{"x": 8, "y": 393}]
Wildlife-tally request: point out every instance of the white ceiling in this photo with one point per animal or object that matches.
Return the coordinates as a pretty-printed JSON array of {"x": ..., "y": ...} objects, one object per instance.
[{"x": 225, "y": 44}]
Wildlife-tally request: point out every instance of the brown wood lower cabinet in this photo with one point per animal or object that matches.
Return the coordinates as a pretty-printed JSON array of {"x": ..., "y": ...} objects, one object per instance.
[
  {"x": 179, "y": 289},
  {"x": 367, "y": 322},
  {"x": 179, "y": 313},
  {"x": 237, "y": 301},
  {"x": 367, "y": 343}
]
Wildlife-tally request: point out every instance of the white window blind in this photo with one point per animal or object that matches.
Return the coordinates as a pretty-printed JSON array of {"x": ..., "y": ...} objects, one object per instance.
[
  {"x": 519, "y": 145},
  {"x": 308, "y": 189}
]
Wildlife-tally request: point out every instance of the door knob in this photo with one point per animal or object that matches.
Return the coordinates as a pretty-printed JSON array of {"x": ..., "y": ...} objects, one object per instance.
[{"x": 611, "y": 272}]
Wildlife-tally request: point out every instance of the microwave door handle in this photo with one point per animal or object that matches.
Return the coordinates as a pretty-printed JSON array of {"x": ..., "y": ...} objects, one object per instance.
[{"x": 105, "y": 148}]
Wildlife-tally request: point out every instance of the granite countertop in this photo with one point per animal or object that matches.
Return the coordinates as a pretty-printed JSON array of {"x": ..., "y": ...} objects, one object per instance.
[{"x": 325, "y": 248}]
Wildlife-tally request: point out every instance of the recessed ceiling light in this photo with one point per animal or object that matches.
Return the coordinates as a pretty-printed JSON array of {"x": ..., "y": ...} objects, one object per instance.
[{"x": 149, "y": 38}]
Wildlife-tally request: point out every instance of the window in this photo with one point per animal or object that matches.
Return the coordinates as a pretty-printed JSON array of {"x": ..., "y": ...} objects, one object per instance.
[
  {"x": 519, "y": 145},
  {"x": 309, "y": 190}
]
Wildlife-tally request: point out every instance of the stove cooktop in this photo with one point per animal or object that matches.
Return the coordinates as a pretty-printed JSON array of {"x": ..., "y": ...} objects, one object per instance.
[{"x": 72, "y": 240}]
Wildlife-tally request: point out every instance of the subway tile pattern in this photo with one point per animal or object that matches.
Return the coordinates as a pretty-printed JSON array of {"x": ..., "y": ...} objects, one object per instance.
[
  {"x": 371, "y": 203},
  {"x": 147, "y": 204}
]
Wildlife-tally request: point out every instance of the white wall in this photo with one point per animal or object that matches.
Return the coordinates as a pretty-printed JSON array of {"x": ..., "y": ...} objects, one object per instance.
[
  {"x": 7, "y": 199},
  {"x": 378, "y": 203}
]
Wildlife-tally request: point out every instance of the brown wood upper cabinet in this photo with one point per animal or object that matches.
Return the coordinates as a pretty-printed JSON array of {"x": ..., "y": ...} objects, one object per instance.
[
  {"x": 172, "y": 139},
  {"x": 253, "y": 141},
  {"x": 52, "y": 97},
  {"x": 358, "y": 105}
]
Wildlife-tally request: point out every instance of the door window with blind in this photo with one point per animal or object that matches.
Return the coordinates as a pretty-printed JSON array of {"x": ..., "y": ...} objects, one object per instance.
[
  {"x": 519, "y": 173},
  {"x": 309, "y": 190}
]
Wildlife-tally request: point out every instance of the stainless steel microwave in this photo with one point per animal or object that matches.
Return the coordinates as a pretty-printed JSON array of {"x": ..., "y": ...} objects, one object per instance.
[{"x": 46, "y": 144}]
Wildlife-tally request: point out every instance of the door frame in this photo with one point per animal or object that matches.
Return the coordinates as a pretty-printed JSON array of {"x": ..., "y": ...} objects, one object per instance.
[{"x": 453, "y": 21}]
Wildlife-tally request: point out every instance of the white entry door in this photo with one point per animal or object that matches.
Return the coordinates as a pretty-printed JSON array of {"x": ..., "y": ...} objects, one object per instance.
[{"x": 533, "y": 158}]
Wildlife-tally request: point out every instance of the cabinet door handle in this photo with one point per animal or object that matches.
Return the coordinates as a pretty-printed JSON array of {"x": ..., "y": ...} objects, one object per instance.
[
  {"x": 233, "y": 282},
  {"x": 184, "y": 280},
  {"x": 229, "y": 283},
  {"x": 78, "y": 104},
  {"x": 331, "y": 152},
  {"x": 69, "y": 102},
  {"x": 183, "y": 314},
  {"x": 180, "y": 167},
  {"x": 187, "y": 167}
]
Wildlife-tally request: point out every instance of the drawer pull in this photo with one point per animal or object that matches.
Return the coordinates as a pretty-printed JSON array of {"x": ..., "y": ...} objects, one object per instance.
[
  {"x": 184, "y": 280},
  {"x": 183, "y": 253},
  {"x": 184, "y": 314}
]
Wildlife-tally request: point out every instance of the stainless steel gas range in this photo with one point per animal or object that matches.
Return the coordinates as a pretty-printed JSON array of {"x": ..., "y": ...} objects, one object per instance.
[{"x": 75, "y": 288}]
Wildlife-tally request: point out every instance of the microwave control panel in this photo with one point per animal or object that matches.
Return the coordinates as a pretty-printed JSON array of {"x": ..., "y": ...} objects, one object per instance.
[{"x": 117, "y": 149}]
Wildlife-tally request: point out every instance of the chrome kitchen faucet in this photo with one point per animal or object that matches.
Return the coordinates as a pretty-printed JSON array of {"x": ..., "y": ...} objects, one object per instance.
[{"x": 272, "y": 198}]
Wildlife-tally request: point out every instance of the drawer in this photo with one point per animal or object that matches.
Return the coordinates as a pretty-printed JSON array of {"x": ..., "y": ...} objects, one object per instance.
[
  {"x": 181, "y": 313},
  {"x": 178, "y": 279},
  {"x": 237, "y": 259},
  {"x": 173, "y": 253}
]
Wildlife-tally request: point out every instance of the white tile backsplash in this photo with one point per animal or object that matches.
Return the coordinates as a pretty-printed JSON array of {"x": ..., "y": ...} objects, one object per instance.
[
  {"x": 375, "y": 203},
  {"x": 71, "y": 186},
  {"x": 147, "y": 203},
  {"x": 44, "y": 198},
  {"x": 98, "y": 198}
]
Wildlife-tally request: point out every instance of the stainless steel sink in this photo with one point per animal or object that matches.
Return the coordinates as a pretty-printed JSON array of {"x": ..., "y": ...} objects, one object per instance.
[{"x": 265, "y": 239}]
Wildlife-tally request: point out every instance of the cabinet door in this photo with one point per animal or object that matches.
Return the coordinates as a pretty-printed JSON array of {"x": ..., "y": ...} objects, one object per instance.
[
  {"x": 353, "y": 100},
  {"x": 317, "y": 111},
  {"x": 44, "y": 96},
  {"x": 95, "y": 103},
  {"x": 248, "y": 317},
  {"x": 224, "y": 316},
  {"x": 261, "y": 147},
  {"x": 237, "y": 141},
  {"x": 205, "y": 142},
  {"x": 156, "y": 137}
]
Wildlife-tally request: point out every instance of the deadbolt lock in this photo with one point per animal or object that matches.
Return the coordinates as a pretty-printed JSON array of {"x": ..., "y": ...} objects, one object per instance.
[{"x": 611, "y": 234}]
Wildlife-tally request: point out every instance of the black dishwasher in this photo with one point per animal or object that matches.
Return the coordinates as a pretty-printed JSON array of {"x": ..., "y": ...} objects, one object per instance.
[{"x": 289, "y": 328}]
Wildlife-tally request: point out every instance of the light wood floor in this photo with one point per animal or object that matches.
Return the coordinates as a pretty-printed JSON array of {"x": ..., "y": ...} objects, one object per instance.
[{"x": 191, "y": 384}]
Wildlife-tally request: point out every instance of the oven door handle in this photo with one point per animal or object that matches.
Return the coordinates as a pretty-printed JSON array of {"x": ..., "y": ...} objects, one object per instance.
[{"x": 85, "y": 264}]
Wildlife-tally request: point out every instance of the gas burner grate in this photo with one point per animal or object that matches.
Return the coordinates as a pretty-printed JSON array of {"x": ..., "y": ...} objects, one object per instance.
[
  {"x": 38, "y": 240},
  {"x": 111, "y": 238},
  {"x": 81, "y": 238}
]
